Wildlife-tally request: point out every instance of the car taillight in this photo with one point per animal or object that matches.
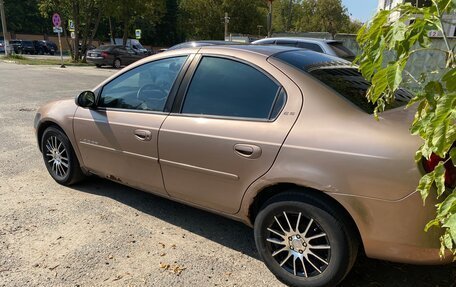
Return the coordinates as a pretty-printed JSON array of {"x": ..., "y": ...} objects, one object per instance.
[
  {"x": 104, "y": 54},
  {"x": 450, "y": 170}
]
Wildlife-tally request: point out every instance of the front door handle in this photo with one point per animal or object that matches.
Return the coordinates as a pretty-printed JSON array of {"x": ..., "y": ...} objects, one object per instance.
[
  {"x": 143, "y": 135},
  {"x": 248, "y": 150}
]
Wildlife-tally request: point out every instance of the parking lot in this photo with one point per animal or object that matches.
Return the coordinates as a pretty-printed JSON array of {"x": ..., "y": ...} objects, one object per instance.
[{"x": 101, "y": 233}]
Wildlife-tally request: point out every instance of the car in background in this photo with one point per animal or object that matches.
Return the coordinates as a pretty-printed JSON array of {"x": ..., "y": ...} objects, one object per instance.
[
  {"x": 133, "y": 44},
  {"x": 16, "y": 46},
  {"x": 282, "y": 139},
  {"x": 113, "y": 55},
  {"x": 45, "y": 47},
  {"x": 330, "y": 47},
  {"x": 27, "y": 47},
  {"x": 193, "y": 44},
  {"x": 2, "y": 46}
]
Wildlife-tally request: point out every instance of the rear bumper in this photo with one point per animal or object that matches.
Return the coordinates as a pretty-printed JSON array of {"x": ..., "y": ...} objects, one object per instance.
[
  {"x": 394, "y": 230},
  {"x": 98, "y": 60}
]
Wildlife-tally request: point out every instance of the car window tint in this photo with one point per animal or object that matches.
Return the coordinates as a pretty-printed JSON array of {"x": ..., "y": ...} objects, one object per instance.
[
  {"x": 310, "y": 46},
  {"x": 339, "y": 76},
  {"x": 144, "y": 88},
  {"x": 223, "y": 87}
]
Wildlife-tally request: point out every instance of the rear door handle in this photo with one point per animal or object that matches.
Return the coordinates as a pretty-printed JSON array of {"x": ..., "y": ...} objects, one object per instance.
[
  {"x": 143, "y": 135},
  {"x": 248, "y": 150}
]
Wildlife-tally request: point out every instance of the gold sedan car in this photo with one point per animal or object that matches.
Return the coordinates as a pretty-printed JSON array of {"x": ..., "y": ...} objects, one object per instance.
[{"x": 280, "y": 138}]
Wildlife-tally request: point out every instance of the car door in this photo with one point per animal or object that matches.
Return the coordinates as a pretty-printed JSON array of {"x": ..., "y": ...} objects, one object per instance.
[
  {"x": 226, "y": 130},
  {"x": 118, "y": 139}
]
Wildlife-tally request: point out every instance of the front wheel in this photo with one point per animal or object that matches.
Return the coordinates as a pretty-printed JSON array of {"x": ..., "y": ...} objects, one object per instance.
[
  {"x": 59, "y": 157},
  {"x": 304, "y": 242}
]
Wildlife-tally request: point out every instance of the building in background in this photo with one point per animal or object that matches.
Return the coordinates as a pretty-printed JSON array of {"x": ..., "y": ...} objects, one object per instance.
[{"x": 449, "y": 19}]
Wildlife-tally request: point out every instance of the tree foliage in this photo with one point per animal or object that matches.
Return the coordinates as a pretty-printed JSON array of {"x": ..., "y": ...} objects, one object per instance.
[
  {"x": 203, "y": 19},
  {"x": 313, "y": 16},
  {"x": 435, "y": 98}
]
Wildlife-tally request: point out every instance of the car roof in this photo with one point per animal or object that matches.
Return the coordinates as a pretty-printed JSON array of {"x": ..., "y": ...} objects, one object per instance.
[{"x": 301, "y": 39}]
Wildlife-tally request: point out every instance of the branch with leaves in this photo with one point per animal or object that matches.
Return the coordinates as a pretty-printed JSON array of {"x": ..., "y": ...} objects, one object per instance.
[{"x": 435, "y": 99}]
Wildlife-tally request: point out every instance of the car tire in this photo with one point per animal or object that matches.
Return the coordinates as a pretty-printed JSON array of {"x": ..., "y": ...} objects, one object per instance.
[
  {"x": 117, "y": 63},
  {"x": 98, "y": 65},
  {"x": 304, "y": 241},
  {"x": 60, "y": 158}
]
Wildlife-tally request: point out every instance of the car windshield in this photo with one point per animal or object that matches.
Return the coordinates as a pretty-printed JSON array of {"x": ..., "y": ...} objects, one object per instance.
[
  {"x": 27, "y": 43},
  {"x": 340, "y": 76},
  {"x": 341, "y": 50}
]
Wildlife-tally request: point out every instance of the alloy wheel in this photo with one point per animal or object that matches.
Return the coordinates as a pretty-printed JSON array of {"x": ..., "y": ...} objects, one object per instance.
[
  {"x": 299, "y": 244},
  {"x": 57, "y": 157}
]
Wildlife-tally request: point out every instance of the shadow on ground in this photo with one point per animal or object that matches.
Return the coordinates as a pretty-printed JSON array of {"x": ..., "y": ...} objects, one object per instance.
[{"x": 235, "y": 235}]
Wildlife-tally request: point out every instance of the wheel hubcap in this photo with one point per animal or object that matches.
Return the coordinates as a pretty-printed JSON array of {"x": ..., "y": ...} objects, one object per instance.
[
  {"x": 57, "y": 156},
  {"x": 299, "y": 244}
]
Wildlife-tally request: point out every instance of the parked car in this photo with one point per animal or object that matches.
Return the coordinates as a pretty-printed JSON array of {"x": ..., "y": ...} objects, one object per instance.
[
  {"x": 27, "y": 47},
  {"x": 16, "y": 46},
  {"x": 2, "y": 46},
  {"x": 330, "y": 47},
  {"x": 45, "y": 47},
  {"x": 113, "y": 55},
  {"x": 133, "y": 44},
  {"x": 282, "y": 139},
  {"x": 192, "y": 44}
]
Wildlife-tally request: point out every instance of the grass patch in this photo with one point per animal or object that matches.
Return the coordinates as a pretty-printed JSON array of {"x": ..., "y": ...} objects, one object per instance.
[{"x": 19, "y": 59}]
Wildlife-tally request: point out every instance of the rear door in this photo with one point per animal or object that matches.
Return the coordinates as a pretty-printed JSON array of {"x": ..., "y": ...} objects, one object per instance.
[{"x": 226, "y": 131}]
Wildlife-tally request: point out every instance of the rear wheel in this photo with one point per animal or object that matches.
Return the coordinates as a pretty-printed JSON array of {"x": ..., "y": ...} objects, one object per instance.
[
  {"x": 117, "y": 63},
  {"x": 59, "y": 157},
  {"x": 304, "y": 242},
  {"x": 98, "y": 65}
]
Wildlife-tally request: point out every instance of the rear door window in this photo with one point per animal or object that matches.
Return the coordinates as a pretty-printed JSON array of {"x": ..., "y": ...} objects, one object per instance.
[{"x": 228, "y": 88}]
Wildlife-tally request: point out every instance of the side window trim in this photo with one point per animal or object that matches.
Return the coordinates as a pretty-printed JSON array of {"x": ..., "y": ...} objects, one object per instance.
[
  {"x": 172, "y": 93},
  {"x": 191, "y": 71}
]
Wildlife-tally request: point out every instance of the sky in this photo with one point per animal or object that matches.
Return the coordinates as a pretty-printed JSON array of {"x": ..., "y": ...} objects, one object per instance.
[{"x": 361, "y": 10}]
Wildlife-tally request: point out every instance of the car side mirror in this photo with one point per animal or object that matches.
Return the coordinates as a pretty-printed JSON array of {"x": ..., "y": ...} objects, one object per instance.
[{"x": 86, "y": 99}]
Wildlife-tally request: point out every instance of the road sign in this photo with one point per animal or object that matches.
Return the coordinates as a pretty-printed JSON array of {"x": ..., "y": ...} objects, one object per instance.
[
  {"x": 56, "y": 20},
  {"x": 138, "y": 33},
  {"x": 58, "y": 30},
  {"x": 70, "y": 25}
]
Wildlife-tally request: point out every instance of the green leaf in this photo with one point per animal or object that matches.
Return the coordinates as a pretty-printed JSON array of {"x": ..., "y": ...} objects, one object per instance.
[
  {"x": 447, "y": 206},
  {"x": 450, "y": 223},
  {"x": 450, "y": 80},
  {"x": 439, "y": 177},
  {"x": 453, "y": 154},
  {"x": 425, "y": 184}
]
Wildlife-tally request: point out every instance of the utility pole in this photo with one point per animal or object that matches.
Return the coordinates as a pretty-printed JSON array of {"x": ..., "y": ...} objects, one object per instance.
[
  {"x": 5, "y": 40},
  {"x": 269, "y": 27},
  {"x": 226, "y": 21}
]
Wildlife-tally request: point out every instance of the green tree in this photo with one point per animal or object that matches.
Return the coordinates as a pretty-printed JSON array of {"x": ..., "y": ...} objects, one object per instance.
[
  {"x": 313, "y": 16},
  {"x": 24, "y": 17},
  {"x": 435, "y": 98},
  {"x": 203, "y": 19},
  {"x": 129, "y": 12}
]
